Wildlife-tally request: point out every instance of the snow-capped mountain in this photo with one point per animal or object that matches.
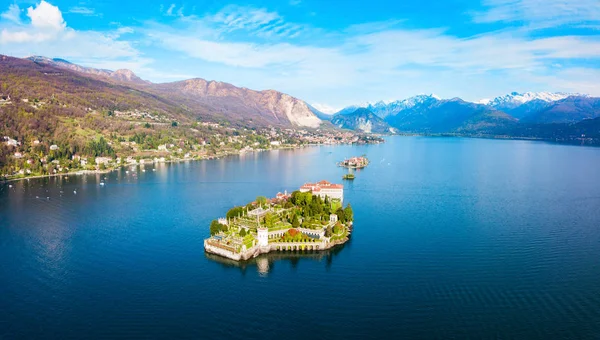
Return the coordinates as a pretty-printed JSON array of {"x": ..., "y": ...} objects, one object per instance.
[
  {"x": 349, "y": 109},
  {"x": 514, "y": 99},
  {"x": 429, "y": 113},
  {"x": 385, "y": 109},
  {"x": 522, "y": 105}
]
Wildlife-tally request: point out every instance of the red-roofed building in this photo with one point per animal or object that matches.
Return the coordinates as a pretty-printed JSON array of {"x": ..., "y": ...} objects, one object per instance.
[
  {"x": 283, "y": 196},
  {"x": 324, "y": 189}
]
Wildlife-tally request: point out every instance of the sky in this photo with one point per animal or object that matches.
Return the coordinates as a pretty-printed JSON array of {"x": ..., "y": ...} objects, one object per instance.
[{"x": 331, "y": 54}]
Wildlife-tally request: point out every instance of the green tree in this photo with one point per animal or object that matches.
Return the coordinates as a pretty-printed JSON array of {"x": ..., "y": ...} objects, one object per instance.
[
  {"x": 341, "y": 215},
  {"x": 261, "y": 200},
  {"x": 328, "y": 232},
  {"x": 215, "y": 227},
  {"x": 337, "y": 228},
  {"x": 270, "y": 220},
  {"x": 294, "y": 197},
  {"x": 223, "y": 227},
  {"x": 295, "y": 221},
  {"x": 316, "y": 206},
  {"x": 243, "y": 232},
  {"x": 235, "y": 212},
  {"x": 348, "y": 213}
]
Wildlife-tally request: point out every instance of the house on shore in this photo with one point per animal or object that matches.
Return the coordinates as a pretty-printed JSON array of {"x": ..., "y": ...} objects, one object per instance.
[{"x": 325, "y": 189}]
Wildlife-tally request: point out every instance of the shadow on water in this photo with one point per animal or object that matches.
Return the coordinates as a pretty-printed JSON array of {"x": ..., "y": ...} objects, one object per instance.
[{"x": 265, "y": 263}]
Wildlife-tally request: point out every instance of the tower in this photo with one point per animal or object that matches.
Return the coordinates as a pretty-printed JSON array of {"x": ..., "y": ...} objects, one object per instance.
[{"x": 263, "y": 237}]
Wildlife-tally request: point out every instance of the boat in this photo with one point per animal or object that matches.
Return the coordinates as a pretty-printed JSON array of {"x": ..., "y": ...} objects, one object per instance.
[{"x": 349, "y": 176}]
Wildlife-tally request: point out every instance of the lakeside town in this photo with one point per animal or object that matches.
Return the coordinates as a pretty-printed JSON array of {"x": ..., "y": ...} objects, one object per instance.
[
  {"x": 201, "y": 140},
  {"x": 311, "y": 218}
]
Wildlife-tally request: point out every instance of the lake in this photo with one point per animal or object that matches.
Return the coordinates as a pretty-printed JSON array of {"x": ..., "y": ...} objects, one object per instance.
[{"x": 453, "y": 238}]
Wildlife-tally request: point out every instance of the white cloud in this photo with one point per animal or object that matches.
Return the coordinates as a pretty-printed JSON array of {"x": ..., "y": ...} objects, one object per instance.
[
  {"x": 257, "y": 21},
  {"x": 47, "y": 34},
  {"x": 46, "y": 24},
  {"x": 12, "y": 14},
  {"x": 540, "y": 13},
  {"x": 377, "y": 60},
  {"x": 325, "y": 108},
  {"x": 86, "y": 11},
  {"x": 258, "y": 48},
  {"x": 46, "y": 16},
  {"x": 170, "y": 10},
  {"x": 388, "y": 50},
  {"x": 577, "y": 79}
]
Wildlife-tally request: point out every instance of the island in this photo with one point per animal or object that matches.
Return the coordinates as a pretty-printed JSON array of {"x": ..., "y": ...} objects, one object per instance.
[
  {"x": 354, "y": 162},
  {"x": 309, "y": 219}
]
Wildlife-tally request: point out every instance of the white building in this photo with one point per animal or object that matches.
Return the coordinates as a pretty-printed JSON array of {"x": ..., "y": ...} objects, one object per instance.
[
  {"x": 258, "y": 212},
  {"x": 11, "y": 142},
  {"x": 263, "y": 237},
  {"x": 324, "y": 189},
  {"x": 53, "y": 147},
  {"x": 102, "y": 160}
]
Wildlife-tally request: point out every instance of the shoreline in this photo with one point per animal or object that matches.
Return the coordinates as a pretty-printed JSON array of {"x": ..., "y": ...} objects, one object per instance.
[
  {"x": 91, "y": 172},
  {"x": 271, "y": 248},
  {"x": 95, "y": 172}
]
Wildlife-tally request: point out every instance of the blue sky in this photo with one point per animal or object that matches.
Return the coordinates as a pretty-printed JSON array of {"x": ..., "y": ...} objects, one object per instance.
[{"x": 329, "y": 53}]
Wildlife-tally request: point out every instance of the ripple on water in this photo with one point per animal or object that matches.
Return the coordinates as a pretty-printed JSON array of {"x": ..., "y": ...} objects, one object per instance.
[{"x": 449, "y": 243}]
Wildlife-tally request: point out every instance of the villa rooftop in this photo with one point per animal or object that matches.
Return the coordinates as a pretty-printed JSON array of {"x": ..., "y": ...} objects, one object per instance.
[{"x": 321, "y": 185}]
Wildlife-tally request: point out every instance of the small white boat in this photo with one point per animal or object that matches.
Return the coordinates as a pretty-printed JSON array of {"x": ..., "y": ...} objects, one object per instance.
[
  {"x": 102, "y": 183},
  {"x": 75, "y": 192}
]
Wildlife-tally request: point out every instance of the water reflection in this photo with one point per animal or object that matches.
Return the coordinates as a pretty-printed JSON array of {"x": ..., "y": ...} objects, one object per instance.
[{"x": 265, "y": 263}]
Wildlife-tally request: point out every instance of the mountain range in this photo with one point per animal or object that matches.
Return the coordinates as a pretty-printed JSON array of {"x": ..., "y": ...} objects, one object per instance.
[
  {"x": 362, "y": 120},
  {"x": 81, "y": 89},
  {"x": 211, "y": 100},
  {"x": 510, "y": 113}
]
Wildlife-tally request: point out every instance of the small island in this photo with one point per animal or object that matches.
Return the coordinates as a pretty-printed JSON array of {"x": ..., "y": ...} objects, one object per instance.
[
  {"x": 348, "y": 176},
  {"x": 354, "y": 162},
  {"x": 310, "y": 219}
]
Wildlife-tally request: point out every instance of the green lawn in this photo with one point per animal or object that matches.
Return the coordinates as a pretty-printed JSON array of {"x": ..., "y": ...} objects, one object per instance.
[
  {"x": 335, "y": 205},
  {"x": 248, "y": 240}
]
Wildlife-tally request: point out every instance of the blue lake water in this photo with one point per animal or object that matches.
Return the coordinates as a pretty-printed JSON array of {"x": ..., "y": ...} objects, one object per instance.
[{"x": 454, "y": 238}]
